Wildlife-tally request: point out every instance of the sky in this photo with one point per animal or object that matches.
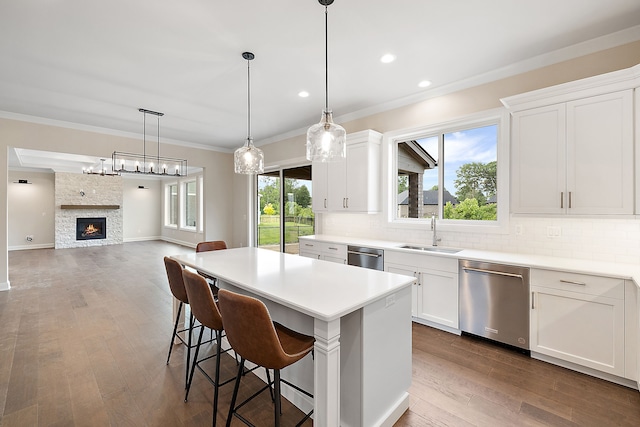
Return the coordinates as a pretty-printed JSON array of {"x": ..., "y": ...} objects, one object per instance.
[{"x": 473, "y": 145}]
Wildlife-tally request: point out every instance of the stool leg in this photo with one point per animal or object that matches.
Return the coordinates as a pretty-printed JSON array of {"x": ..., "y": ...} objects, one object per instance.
[
  {"x": 235, "y": 392},
  {"x": 175, "y": 328},
  {"x": 217, "y": 378},
  {"x": 186, "y": 374},
  {"x": 276, "y": 386},
  {"x": 193, "y": 365}
]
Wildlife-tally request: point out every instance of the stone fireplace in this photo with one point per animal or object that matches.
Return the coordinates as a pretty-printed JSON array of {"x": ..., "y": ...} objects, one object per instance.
[{"x": 84, "y": 200}]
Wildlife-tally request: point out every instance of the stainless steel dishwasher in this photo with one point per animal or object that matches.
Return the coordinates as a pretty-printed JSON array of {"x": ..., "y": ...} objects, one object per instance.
[
  {"x": 494, "y": 302},
  {"x": 365, "y": 257}
]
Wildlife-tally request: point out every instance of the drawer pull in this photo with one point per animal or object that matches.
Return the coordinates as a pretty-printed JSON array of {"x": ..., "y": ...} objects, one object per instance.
[
  {"x": 333, "y": 249},
  {"x": 571, "y": 282},
  {"x": 308, "y": 245}
]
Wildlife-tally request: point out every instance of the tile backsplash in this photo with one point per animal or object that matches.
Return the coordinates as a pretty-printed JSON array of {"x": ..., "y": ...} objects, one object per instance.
[{"x": 613, "y": 240}]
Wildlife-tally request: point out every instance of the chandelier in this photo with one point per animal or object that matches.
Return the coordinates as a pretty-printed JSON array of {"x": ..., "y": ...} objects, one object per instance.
[{"x": 148, "y": 164}]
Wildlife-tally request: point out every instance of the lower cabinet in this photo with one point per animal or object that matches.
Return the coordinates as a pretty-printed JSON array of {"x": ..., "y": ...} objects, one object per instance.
[
  {"x": 332, "y": 252},
  {"x": 580, "y": 319},
  {"x": 435, "y": 293}
]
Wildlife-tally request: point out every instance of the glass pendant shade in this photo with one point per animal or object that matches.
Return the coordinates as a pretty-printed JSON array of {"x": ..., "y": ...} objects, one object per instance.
[
  {"x": 248, "y": 159},
  {"x": 326, "y": 141}
]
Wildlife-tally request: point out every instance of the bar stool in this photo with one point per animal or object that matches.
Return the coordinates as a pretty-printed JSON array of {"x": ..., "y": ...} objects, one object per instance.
[
  {"x": 206, "y": 311},
  {"x": 176, "y": 284},
  {"x": 256, "y": 338},
  {"x": 213, "y": 245}
]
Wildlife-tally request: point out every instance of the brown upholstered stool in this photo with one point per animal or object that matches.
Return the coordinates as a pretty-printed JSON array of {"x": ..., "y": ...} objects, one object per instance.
[
  {"x": 213, "y": 245},
  {"x": 205, "y": 310},
  {"x": 256, "y": 338},
  {"x": 176, "y": 284}
]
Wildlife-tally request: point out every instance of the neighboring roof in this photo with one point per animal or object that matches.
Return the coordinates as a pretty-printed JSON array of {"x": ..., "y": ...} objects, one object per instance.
[
  {"x": 419, "y": 154},
  {"x": 429, "y": 197}
]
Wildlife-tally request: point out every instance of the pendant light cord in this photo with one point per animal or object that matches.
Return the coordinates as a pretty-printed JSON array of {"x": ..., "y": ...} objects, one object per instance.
[
  {"x": 248, "y": 100},
  {"x": 326, "y": 58}
]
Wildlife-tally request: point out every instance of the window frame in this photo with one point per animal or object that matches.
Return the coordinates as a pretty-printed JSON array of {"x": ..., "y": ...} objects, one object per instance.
[
  {"x": 498, "y": 117},
  {"x": 183, "y": 204},
  {"x": 167, "y": 205}
]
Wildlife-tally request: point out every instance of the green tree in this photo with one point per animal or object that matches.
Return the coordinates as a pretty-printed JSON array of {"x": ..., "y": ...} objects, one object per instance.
[
  {"x": 469, "y": 209},
  {"x": 476, "y": 180},
  {"x": 270, "y": 194},
  {"x": 302, "y": 196},
  {"x": 403, "y": 183}
]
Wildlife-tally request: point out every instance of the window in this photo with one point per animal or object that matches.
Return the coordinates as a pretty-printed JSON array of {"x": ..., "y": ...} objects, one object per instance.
[
  {"x": 172, "y": 205},
  {"x": 285, "y": 213},
  {"x": 190, "y": 204},
  {"x": 183, "y": 204},
  {"x": 452, "y": 172}
]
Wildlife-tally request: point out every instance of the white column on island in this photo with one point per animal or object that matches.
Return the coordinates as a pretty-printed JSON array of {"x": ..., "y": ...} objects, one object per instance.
[{"x": 327, "y": 373}]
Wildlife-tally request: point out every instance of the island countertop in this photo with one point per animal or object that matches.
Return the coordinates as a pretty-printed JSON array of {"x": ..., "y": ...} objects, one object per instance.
[{"x": 320, "y": 289}]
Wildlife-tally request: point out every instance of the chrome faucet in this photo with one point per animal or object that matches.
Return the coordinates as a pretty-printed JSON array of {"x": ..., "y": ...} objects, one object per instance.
[{"x": 433, "y": 227}]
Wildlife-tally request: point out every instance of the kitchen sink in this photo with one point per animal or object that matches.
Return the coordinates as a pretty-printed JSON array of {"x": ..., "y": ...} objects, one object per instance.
[{"x": 431, "y": 249}]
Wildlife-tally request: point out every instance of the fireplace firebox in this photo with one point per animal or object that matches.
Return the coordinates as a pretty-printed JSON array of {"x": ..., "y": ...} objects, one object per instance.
[{"x": 91, "y": 228}]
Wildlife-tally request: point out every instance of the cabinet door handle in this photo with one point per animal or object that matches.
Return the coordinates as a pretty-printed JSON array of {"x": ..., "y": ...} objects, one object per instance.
[
  {"x": 533, "y": 300},
  {"x": 347, "y": 199},
  {"x": 325, "y": 203},
  {"x": 569, "y": 199},
  {"x": 561, "y": 200},
  {"x": 571, "y": 282}
]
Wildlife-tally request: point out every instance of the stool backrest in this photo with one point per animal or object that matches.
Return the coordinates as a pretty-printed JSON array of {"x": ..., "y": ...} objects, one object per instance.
[
  {"x": 201, "y": 301},
  {"x": 174, "y": 275},
  {"x": 214, "y": 245},
  {"x": 250, "y": 330}
]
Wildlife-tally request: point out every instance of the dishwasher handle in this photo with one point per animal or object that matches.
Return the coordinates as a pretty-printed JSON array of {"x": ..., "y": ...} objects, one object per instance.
[
  {"x": 364, "y": 253},
  {"x": 499, "y": 273}
]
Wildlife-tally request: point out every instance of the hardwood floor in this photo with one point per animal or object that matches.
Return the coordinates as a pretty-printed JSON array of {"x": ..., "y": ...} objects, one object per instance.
[{"x": 84, "y": 336}]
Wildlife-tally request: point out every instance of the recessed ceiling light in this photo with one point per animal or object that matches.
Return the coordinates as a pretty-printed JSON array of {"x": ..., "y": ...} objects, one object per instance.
[
  {"x": 303, "y": 94},
  {"x": 387, "y": 58},
  {"x": 424, "y": 83}
]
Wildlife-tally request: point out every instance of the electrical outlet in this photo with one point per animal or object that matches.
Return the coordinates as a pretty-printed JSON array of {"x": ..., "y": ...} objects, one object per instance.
[
  {"x": 554, "y": 231},
  {"x": 391, "y": 299}
]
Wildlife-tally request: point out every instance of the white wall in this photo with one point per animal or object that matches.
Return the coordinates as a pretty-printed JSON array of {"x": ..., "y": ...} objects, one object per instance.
[
  {"x": 141, "y": 208},
  {"x": 31, "y": 210}
]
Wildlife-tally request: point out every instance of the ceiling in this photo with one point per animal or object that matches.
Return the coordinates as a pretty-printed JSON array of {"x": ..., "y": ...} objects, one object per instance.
[{"x": 94, "y": 63}]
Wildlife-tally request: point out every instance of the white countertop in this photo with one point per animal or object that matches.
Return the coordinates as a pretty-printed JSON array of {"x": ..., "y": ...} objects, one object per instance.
[
  {"x": 609, "y": 269},
  {"x": 320, "y": 289}
]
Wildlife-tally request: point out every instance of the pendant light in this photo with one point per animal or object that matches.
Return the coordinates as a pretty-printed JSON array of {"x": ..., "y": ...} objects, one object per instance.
[
  {"x": 248, "y": 159},
  {"x": 326, "y": 140}
]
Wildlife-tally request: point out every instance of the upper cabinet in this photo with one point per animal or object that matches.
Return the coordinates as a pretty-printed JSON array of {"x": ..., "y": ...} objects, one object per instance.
[
  {"x": 572, "y": 147},
  {"x": 352, "y": 185}
]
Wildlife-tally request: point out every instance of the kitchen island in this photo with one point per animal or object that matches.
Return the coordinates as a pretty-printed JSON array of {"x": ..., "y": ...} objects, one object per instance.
[{"x": 361, "y": 320}]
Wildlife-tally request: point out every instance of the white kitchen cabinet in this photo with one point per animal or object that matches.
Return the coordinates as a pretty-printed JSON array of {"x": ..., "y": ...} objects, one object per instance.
[
  {"x": 574, "y": 157},
  {"x": 352, "y": 185},
  {"x": 580, "y": 319},
  {"x": 333, "y": 252},
  {"x": 435, "y": 294}
]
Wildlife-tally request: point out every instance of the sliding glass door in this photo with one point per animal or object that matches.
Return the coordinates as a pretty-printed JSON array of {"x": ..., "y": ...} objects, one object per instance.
[{"x": 284, "y": 210}]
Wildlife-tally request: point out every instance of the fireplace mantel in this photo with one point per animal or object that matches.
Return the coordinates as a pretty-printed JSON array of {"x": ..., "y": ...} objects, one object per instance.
[{"x": 89, "y": 206}]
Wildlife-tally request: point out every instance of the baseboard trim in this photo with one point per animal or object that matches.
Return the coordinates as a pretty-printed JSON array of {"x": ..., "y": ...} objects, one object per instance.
[
  {"x": 5, "y": 286},
  {"x": 178, "y": 242},
  {"x": 27, "y": 247},
  {"x": 141, "y": 239}
]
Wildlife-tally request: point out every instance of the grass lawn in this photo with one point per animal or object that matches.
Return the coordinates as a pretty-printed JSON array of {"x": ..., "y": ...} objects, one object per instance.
[{"x": 269, "y": 234}]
